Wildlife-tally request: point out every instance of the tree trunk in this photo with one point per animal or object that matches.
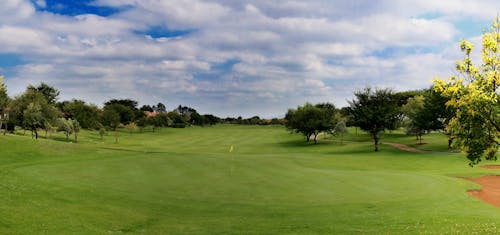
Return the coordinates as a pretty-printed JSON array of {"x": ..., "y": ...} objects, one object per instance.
[
  {"x": 76, "y": 137},
  {"x": 315, "y": 138},
  {"x": 67, "y": 135},
  {"x": 341, "y": 138},
  {"x": 375, "y": 140},
  {"x": 36, "y": 133},
  {"x": 308, "y": 137}
]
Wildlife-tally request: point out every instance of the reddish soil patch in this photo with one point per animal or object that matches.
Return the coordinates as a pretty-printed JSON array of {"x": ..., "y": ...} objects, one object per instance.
[
  {"x": 404, "y": 147},
  {"x": 491, "y": 166},
  {"x": 490, "y": 193}
]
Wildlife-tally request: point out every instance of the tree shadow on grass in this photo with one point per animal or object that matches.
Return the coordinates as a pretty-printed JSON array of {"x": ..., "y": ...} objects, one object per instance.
[
  {"x": 353, "y": 151},
  {"x": 365, "y": 148},
  {"x": 134, "y": 150},
  {"x": 96, "y": 137},
  {"x": 346, "y": 148},
  {"x": 62, "y": 139},
  {"x": 334, "y": 149},
  {"x": 301, "y": 144}
]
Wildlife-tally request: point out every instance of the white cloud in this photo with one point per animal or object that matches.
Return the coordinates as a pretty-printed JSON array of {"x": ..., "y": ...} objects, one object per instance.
[
  {"x": 255, "y": 57},
  {"x": 41, "y": 3},
  {"x": 14, "y": 10},
  {"x": 22, "y": 39}
]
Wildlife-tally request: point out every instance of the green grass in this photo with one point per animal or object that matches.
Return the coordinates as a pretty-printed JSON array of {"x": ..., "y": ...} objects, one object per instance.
[{"x": 185, "y": 181}]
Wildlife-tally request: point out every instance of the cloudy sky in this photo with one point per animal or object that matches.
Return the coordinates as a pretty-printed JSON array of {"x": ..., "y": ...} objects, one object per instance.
[{"x": 231, "y": 58}]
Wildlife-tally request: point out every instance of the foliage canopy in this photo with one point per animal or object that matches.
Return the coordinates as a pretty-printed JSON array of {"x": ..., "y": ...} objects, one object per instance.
[
  {"x": 374, "y": 111},
  {"x": 473, "y": 92},
  {"x": 310, "y": 119}
]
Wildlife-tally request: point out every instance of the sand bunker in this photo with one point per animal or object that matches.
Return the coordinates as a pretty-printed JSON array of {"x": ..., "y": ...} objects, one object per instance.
[{"x": 490, "y": 192}]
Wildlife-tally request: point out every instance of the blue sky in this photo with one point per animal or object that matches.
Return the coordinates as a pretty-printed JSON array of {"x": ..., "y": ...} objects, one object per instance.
[{"x": 232, "y": 58}]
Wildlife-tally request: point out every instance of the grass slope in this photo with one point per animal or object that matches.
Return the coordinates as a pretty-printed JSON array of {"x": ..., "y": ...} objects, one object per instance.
[{"x": 185, "y": 181}]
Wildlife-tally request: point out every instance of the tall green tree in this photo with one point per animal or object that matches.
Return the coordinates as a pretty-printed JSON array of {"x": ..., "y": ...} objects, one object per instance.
[
  {"x": 474, "y": 94},
  {"x": 374, "y": 111},
  {"x": 20, "y": 104},
  {"x": 438, "y": 114},
  {"x": 33, "y": 118},
  {"x": 426, "y": 112},
  {"x": 86, "y": 114},
  {"x": 49, "y": 92},
  {"x": 110, "y": 118},
  {"x": 310, "y": 119},
  {"x": 50, "y": 114},
  {"x": 341, "y": 129},
  {"x": 69, "y": 126},
  {"x": 209, "y": 119},
  {"x": 126, "y": 108},
  {"x": 132, "y": 104},
  {"x": 147, "y": 108},
  {"x": 160, "y": 108},
  {"x": 415, "y": 122},
  {"x": 4, "y": 101},
  {"x": 66, "y": 126},
  {"x": 177, "y": 120}
]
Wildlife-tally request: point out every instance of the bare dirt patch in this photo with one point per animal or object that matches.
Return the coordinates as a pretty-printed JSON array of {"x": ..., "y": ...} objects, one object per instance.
[
  {"x": 491, "y": 166},
  {"x": 490, "y": 192},
  {"x": 404, "y": 147}
]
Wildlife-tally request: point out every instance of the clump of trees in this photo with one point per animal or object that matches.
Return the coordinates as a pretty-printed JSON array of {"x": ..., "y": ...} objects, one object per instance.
[
  {"x": 426, "y": 112},
  {"x": 86, "y": 114},
  {"x": 310, "y": 120},
  {"x": 32, "y": 111},
  {"x": 374, "y": 111}
]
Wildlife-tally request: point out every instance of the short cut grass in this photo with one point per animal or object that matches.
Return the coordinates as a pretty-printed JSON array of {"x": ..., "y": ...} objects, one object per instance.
[{"x": 186, "y": 181}]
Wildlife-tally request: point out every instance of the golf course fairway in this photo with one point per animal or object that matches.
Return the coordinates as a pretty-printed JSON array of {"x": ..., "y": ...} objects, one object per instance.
[{"x": 231, "y": 179}]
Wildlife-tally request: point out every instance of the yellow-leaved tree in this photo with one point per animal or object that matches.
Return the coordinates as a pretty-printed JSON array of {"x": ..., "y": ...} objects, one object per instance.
[
  {"x": 474, "y": 93},
  {"x": 1, "y": 80}
]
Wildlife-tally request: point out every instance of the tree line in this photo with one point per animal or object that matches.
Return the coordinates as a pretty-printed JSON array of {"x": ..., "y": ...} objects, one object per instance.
[
  {"x": 38, "y": 109},
  {"x": 374, "y": 111}
]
